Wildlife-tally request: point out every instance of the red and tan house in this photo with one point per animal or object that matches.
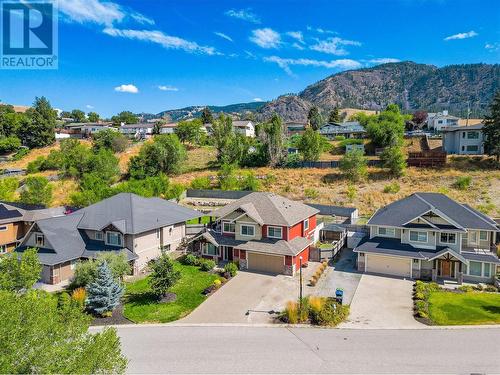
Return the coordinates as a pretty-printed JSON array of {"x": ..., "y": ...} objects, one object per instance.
[{"x": 264, "y": 232}]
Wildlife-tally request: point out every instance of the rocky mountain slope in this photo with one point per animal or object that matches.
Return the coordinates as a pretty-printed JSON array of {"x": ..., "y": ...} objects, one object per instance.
[{"x": 412, "y": 86}]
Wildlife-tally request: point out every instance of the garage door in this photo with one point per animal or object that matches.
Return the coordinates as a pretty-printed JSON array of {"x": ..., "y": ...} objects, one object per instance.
[
  {"x": 388, "y": 265},
  {"x": 265, "y": 263}
]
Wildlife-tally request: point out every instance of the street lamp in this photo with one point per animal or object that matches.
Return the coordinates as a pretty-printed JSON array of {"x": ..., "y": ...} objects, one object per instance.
[{"x": 300, "y": 286}]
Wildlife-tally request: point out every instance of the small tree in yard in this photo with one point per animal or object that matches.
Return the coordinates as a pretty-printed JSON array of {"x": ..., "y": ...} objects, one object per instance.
[
  {"x": 310, "y": 145},
  {"x": 353, "y": 165},
  {"x": 492, "y": 129},
  {"x": 37, "y": 191},
  {"x": 17, "y": 275},
  {"x": 395, "y": 160},
  {"x": 163, "y": 275},
  {"x": 104, "y": 292}
]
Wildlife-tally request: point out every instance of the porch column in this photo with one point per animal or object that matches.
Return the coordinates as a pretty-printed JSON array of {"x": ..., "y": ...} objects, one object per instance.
[
  {"x": 434, "y": 274},
  {"x": 460, "y": 277}
]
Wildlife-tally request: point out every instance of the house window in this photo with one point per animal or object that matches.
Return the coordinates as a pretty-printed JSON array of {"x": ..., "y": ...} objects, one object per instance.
[
  {"x": 228, "y": 227},
  {"x": 418, "y": 236},
  {"x": 415, "y": 261},
  {"x": 165, "y": 248},
  {"x": 463, "y": 135},
  {"x": 473, "y": 238},
  {"x": 3, "y": 249},
  {"x": 113, "y": 238},
  {"x": 3, "y": 228},
  {"x": 449, "y": 238},
  {"x": 389, "y": 232},
  {"x": 39, "y": 239},
  {"x": 463, "y": 148},
  {"x": 274, "y": 232},
  {"x": 306, "y": 224},
  {"x": 98, "y": 236},
  {"x": 483, "y": 236},
  {"x": 472, "y": 135},
  {"x": 210, "y": 249},
  {"x": 475, "y": 268},
  {"x": 247, "y": 230},
  {"x": 472, "y": 148},
  {"x": 486, "y": 271}
]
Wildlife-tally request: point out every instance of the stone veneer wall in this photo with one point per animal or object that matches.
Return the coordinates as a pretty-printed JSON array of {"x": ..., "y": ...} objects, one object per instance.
[{"x": 361, "y": 262}]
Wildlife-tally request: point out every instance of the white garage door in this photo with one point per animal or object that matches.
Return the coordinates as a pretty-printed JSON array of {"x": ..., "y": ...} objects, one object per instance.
[{"x": 388, "y": 265}]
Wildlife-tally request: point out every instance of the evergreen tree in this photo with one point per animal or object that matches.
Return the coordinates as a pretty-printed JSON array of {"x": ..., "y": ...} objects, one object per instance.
[
  {"x": 272, "y": 135},
  {"x": 310, "y": 145},
  {"x": 222, "y": 130},
  {"x": 334, "y": 116},
  {"x": 491, "y": 129},
  {"x": 104, "y": 293},
  {"x": 394, "y": 159},
  {"x": 314, "y": 118},
  {"x": 163, "y": 275},
  {"x": 37, "y": 127},
  {"x": 37, "y": 190},
  {"x": 354, "y": 165},
  {"x": 206, "y": 116}
]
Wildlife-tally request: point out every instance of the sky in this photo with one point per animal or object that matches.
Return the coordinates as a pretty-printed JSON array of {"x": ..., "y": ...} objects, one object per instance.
[{"x": 153, "y": 55}]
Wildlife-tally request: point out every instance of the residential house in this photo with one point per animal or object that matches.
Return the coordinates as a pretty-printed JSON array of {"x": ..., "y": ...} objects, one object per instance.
[
  {"x": 464, "y": 140},
  {"x": 16, "y": 219},
  {"x": 168, "y": 128},
  {"x": 246, "y": 128},
  {"x": 293, "y": 127},
  {"x": 82, "y": 130},
  {"x": 137, "y": 131},
  {"x": 430, "y": 236},
  {"x": 437, "y": 121},
  {"x": 262, "y": 231},
  {"x": 350, "y": 129},
  {"x": 140, "y": 227}
]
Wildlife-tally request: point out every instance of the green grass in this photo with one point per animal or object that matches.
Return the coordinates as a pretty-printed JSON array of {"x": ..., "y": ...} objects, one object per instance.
[
  {"x": 141, "y": 305},
  {"x": 447, "y": 308},
  {"x": 204, "y": 220}
]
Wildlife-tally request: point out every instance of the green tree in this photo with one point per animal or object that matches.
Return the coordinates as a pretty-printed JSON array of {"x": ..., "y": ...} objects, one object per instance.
[
  {"x": 126, "y": 117},
  {"x": 272, "y": 136},
  {"x": 8, "y": 187},
  {"x": 93, "y": 116},
  {"x": 9, "y": 144},
  {"x": 334, "y": 116},
  {"x": 110, "y": 139},
  {"x": 10, "y": 121},
  {"x": 250, "y": 182},
  {"x": 151, "y": 186},
  {"x": 189, "y": 131},
  {"x": 87, "y": 271},
  {"x": 104, "y": 292},
  {"x": 92, "y": 189},
  {"x": 163, "y": 275},
  {"x": 36, "y": 336},
  {"x": 103, "y": 164},
  {"x": 236, "y": 149},
  {"x": 37, "y": 128},
  {"x": 310, "y": 145},
  {"x": 394, "y": 159},
  {"x": 164, "y": 155},
  {"x": 491, "y": 129},
  {"x": 314, "y": 118},
  {"x": 74, "y": 158},
  {"x": 387, "y": 128},
  {"x": 354, "y": 165},
  {"x": 206, "y": 116},
  {"x": 17, "y": 275},
  {"x": 222, "y": 129},
  {"x": 78, "y": 115},
  {"x": 202, "y": 182},
  {"x": 37, "y": 190},
  {"x": 227, "y": 177}
]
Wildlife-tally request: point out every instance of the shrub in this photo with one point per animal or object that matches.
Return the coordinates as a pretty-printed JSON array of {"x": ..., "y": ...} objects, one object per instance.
[
  {"x": 231, "y": 268},
  {"x": 163, "y": 275},
  {"x": 78, "y": 295},
  {"x": 466, "y": 288},
  {"x": 190, "y": 260},
  {"x": 339, "y": 137},
  {"x": 463, "y": 182},
  {"x": 207, "y": 265},
  {"x": 324, "y": 264},
  {"x": 351, "y": 192},
  {"x": 354, "y": 165},
  {"x": 292, "y": 160},
  {"x": 316, "y": 303},
  {"x": 419, "y": 296},
  {"x": 35, "y": 165},
  {"x": 311, "y": 193},
  {"x": 490, "y": 288},
  {"x": 392, "y": 188},
  {"x": 9, "y": 144},
  {"x": 303, "y": 309},
  {"x": 250, "y": 182},
  {"x": 21, "y": 153},
  {"x": 291, "y": 312},
  {"x": 330, "y": 314},
  {"x": 200, "y": 183},
  {"x": 217, "y": 283}
]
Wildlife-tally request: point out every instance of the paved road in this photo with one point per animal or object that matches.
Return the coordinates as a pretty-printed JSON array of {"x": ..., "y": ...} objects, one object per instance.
[{"x": 243, "y": 349}]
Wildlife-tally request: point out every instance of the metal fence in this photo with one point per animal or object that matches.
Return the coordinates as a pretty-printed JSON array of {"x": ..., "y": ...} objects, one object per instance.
[{"x": 330, "y": 164}]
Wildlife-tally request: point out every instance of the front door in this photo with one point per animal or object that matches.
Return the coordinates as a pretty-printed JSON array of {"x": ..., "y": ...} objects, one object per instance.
[
  {"x": 445, "y": 268},
  {"x": 227, "y": 253}
]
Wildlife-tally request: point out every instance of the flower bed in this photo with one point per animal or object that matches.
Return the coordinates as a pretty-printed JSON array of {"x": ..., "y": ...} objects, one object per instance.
[{"x": 321, "y": 311}]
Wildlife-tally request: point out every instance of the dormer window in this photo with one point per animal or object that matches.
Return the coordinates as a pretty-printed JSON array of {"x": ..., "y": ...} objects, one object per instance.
[
  {"x": 39, "y": 239},
  {"x": 114, "y": 238},
  {"x": 388, "y": 232},
  {"x": 228, "y": 227}
]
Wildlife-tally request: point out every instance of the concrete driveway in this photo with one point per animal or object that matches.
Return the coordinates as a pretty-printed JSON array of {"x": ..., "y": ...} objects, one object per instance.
[{"x": 382, "y": 302}]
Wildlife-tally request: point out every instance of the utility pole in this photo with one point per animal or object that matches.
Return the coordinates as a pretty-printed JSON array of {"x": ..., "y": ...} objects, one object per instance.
[{"x": 468, "y": 113}]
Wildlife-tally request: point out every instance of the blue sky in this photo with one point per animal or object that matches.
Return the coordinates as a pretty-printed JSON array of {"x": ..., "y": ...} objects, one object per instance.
[{"x": 152, "y": 55}]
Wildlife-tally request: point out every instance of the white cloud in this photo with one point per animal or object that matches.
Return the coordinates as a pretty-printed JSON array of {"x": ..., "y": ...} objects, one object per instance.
[
  {"x": 158, "y": 37},
  {"x": 383, "y": 60},
  {"x": 334, "y": 45},
  {"x": 223, "y": 36},
  {"x": 469, "y": 34},
  {"x": 492, "y": 46},
  {"x": 167, "y": 88},
  {"x": 130, "y": 88},
  {"x": 99, "y": 12},
  {"x": 297, "y": 35},
  {"x": 257, "y": 100},
  {"x": 243, "y": 14},
  {"x": 332, "y": 64},
  {"x": 88, "y": 106},
  {"x": 266, "y": 38}
]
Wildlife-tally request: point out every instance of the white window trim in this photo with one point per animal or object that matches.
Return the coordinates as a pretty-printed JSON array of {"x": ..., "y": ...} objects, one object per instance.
[
  {"x": 247, "y": 225},
  {"x": 306, "y": 224},
  {"x": 386, "y": 229},
  {"x": 448, "y": 243},
  {"x": 111, "y": 244},
  {"x": 469, "y": 267},
  {"x": 274, "y": 228},
  {"x": 204, "y": 250},
  {"x": 100, "y": 234},
  {"x": 469, "y": 238},
  {"x": 228, "y": 223},
  {"x": 417, "y": 240},
  {"x": 3, "y": 249},
  {"x": 483, "y": 232}
]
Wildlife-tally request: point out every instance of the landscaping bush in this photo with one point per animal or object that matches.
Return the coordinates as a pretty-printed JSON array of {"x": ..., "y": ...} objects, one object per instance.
[
  {"x": 291, "y": 312},
  {"x": 490, "y": 288},
  {"x": 303, "y": 310},
  {"x": 9, "y": 144},
  {"x": 316, "y": 304},
  {"x": 351, "y": 141},
  {"x": 463, "y": 182},
  {"x": 200, "y": 183},
  {"x": 392, "y": 188},
  {"x": 190, "y": 260},
  {"x": 231, "y": 268},
  {"x": 79, "y": 295},
  {"x": 207, "y": 265},
  {"x": 466, "y": 288},
  {"x": 217, "y": 283},
  {"x": 419, "y": 296},
  {"x": 339, "y": 137},
  {"x": 21, "y": 153},
  {"x": 163, "y": 275},
  {"x": 330, "y": 314},
  {"x": 311, "y": 193}
]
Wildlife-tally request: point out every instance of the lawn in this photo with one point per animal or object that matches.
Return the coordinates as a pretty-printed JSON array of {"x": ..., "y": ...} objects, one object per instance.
[
  {"x": 142, "y": 307},
  {"x": 447, "y": 308},
  {"x": 204, "y": 220}
]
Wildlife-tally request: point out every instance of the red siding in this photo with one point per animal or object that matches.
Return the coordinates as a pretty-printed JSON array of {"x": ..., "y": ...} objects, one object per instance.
[
  {"x": 243, "y": 254},
  {"x": 236, "y": 253},
  {"x": 288, "y": 260},
  {"x": 305, "y": 258},
  {"x": 295, "y": 231},
  {"x": 312, "y": 225}
]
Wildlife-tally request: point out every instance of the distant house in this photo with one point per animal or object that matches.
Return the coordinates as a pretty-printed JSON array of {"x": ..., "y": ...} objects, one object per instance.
[
  {"x": 246, "y": 128},
  {"x": 142, "y": 228},
  {"x": 463, "y": 140},
  {"x": 437, "y": 121},
  {"x": 350, "y": 129},
  {"x": 354, "y": 147},
  {"x": 295, "y": 127},
  {"x": 82, "y": 130},
  {"x": 168, "y": 128},
  {"x": 137, "y": 131}
]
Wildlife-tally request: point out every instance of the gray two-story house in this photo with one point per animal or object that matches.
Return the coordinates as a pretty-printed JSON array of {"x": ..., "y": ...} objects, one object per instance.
[
  {"x": 430, "y": 236},
  {"x": 142, "y": 228},
  {"x": 464, "y": 140}
]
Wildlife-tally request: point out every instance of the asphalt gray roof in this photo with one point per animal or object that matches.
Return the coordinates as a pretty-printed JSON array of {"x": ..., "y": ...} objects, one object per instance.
[
  {"x": 132, "y": 214},
  {"x": 269, "y": 208},
  {"x": 402, "y": 211},
  {"x": 279, "y": 247},
  {"x": 14, "y": 211},
  {"x": 462, "y": 128},
  {"x": 334, "y": 210}
]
